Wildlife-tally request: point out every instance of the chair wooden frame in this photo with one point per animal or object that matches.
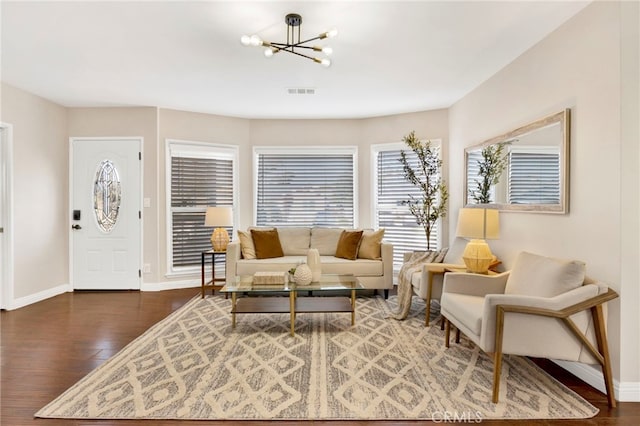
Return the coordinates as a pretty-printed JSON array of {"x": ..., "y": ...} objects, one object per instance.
[{"x": 601, "y": 353}]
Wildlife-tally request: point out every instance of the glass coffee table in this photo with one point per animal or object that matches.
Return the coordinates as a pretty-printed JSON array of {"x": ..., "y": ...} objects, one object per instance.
[{"x": 243, "y": 285}]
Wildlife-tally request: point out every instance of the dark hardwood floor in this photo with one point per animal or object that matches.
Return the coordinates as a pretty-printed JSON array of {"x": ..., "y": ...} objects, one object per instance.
[{"x": 48, "y": 346}]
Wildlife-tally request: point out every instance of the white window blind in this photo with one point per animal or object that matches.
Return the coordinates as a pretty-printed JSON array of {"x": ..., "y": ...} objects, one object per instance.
[
  {"x": 472, "y": 175},
  {"x": 200, "y": 177},
  {"x": 295, "y": 188},
  {"x": 534, "y": 176},
  {"x": 400, "y": 225}
]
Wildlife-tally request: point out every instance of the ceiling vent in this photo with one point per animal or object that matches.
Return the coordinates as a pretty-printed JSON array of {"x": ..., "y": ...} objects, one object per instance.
[{"x": 301, "y": 91}]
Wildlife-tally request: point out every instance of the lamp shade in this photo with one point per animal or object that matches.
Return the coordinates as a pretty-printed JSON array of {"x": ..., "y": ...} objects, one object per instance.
[
  {"x": 478, "y": 224},
  {"x": 218, "y": 216}
]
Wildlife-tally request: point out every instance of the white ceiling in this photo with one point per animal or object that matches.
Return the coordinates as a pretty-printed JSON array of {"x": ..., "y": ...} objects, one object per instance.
[{"x": 389, "y": 56}]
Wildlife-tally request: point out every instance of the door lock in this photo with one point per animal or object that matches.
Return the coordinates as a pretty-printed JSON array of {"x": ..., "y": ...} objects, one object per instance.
[{"x": 75, "y": 226}]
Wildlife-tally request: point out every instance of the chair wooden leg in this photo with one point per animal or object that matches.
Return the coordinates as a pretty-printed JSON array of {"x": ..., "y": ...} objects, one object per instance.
[
  {"x": 447, "y": 331},
  {"x": 497, "y": 367},
  {"x": 497, "y": 356},
  {"x": 603, "y": 348},
  {"x": 457, "y": 335}
]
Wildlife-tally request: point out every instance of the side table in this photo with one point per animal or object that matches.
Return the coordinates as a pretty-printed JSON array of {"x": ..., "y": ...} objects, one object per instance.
[
  {"x": 212, "y": 283},
  {"x": 433, "y": 270}
]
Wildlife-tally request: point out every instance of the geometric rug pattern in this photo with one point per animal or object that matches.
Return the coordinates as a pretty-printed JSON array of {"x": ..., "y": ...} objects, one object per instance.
[{"x": 193, "y": 365}]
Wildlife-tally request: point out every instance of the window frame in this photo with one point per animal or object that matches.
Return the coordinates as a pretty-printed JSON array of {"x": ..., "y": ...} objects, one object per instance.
[
  {"x": 376, "y": 149},
  {"x": 306, "y": 150},
  {"x": 195, "y": 149}
]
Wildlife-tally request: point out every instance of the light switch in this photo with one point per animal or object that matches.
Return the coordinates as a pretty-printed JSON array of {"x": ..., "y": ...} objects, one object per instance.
[{"x": 146, "y": 202}]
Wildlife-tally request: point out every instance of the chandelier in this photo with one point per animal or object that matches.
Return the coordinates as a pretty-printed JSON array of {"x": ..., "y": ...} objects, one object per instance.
[{"x": 293, "y": 44}]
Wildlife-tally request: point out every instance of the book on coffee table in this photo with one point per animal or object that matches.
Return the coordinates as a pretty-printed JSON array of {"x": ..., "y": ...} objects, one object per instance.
[{"x": 270, "y": 278}]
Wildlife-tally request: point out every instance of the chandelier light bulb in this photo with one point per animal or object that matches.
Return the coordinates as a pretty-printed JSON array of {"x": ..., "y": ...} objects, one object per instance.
[
  {"x": 255, "y": 40},
  {"x": 245, "y": 40},
  {"x": 325, "y": 62},
  {"x": 332, "y": 32},
  {"x": 327, "y": 50}
]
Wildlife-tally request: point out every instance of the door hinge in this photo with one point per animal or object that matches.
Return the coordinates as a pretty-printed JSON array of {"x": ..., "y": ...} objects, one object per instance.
[
  {"x": 139, "y": 273},
  {"x": 139, "y": 214},
  {"x": 140, "y": 156}
]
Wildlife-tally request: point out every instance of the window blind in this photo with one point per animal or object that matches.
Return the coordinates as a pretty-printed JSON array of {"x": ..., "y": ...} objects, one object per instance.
[
  {"x": 400, "y": 225},
  {"x": 305, "y": 190},
  {"x": 472, "y": 174},
  {"x": 534, "y": 177},
  {"x": 196, "y": 183}
]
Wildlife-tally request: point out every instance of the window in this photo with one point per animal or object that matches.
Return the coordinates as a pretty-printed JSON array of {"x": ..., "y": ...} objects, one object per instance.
[
  {"x": 534, "y": 175},
  {"x": 390, "y": 190},
  {"x": 310, "y": 186},
  {"x": 199, "y": 175}
]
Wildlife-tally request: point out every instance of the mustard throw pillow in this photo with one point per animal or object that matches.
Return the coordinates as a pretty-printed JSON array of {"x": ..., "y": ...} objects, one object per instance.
[
  {"x": 246, "y": 245},
  {"x": 348, "y": 244},
  {"x": 267, "y": 244},
  {"x": 370, "y": 245}
]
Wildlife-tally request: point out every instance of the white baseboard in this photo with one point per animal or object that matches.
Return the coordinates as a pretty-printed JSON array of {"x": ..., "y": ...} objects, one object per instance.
[
  {"x": 170, "y": 285},
  {"x": 38, "y": 297},
  {"x": 624, "y": 391}
]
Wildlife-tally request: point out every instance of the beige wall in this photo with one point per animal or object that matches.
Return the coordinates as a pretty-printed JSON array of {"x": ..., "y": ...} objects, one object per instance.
[
  {"x": 40, "y": 192},
  {"x": 578, "y": 67},
  {"x": 128, "y": 122}
]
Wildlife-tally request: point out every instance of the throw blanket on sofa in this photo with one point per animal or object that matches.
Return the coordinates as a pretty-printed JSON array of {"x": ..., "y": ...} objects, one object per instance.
[{"x": 413, "y": 265}]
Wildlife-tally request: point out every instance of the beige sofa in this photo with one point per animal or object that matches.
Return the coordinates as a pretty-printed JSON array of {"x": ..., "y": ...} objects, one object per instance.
[{"x": 374, "y": 274}]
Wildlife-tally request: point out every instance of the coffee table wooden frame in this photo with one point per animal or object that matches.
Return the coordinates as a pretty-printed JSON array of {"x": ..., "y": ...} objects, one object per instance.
[{"x": 293, "y": 304}]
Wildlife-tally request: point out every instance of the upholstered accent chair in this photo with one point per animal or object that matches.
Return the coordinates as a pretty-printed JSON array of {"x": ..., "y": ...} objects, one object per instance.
[{"x": 543, "y": 307}]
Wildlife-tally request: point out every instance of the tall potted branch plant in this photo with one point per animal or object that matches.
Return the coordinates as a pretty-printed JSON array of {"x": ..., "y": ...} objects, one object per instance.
[
  {"x": 432, "y": 202},
  {"x": 494, "y": 160}
]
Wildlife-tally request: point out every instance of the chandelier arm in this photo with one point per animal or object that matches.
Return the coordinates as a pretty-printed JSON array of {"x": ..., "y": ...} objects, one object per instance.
[{"x": 299, "y": 54}]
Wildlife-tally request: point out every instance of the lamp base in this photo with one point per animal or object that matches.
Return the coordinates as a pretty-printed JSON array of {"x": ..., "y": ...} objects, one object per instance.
[
  {"x": 220, "y": 239},
  {"x": 477, "y": 256}
]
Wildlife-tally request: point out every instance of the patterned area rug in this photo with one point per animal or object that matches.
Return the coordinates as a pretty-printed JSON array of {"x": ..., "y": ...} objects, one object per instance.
[{"x": 192, "y": 365}]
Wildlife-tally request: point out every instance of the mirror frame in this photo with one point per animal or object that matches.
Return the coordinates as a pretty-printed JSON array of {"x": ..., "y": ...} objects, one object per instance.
[{"x": 562, "y": 117}]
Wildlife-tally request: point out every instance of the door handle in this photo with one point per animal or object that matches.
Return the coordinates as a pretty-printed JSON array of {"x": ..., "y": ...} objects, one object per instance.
[{"x": 76, "y": 227}]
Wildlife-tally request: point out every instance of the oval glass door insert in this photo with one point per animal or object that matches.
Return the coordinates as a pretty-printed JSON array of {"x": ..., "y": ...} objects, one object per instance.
[{"x": 107, "y": 193}]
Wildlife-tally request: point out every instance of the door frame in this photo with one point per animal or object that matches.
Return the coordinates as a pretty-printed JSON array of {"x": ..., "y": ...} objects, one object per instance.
[
  {"x": 140, "y": 141},
  {"x": 6, "y": 192}
]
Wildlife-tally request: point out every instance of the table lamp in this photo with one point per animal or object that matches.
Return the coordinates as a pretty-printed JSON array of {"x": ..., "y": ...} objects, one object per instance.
[
  {"x": 478, "y": 225},
  {"x": 219, "y": 217}
]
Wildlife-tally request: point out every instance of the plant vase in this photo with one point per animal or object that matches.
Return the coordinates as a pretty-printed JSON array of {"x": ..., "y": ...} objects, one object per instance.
[{"x": 302, "y": 275}]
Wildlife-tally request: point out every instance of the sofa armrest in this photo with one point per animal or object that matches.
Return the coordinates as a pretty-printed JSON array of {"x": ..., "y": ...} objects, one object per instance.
[
  {"x": 386, "y": 250},
  {"x": 231, "y": 260},
  {"x": 474, "y": 284}
]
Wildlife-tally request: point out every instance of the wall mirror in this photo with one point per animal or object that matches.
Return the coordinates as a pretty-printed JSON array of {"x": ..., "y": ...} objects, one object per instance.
[{"x": 533, "y": 168}]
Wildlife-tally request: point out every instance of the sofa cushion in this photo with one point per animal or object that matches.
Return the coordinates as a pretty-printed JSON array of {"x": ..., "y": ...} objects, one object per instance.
[
  {"x": 370, "y": 244},
  {"x": 469, "y": 309},
  {"x": 267, "y": 243},
  {"x": 348, "y": 244},
  {"x": 325, "y": 240},
  {"x": 358, "y": 267},
  {"x": 295, "y": 241},
  {"x": 534, "y": 275},
  {"x": 246, "y": 245}
]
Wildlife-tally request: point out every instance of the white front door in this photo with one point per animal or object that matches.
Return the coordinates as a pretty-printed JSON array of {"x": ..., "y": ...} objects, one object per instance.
[{"x": 106, "y": 237}]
